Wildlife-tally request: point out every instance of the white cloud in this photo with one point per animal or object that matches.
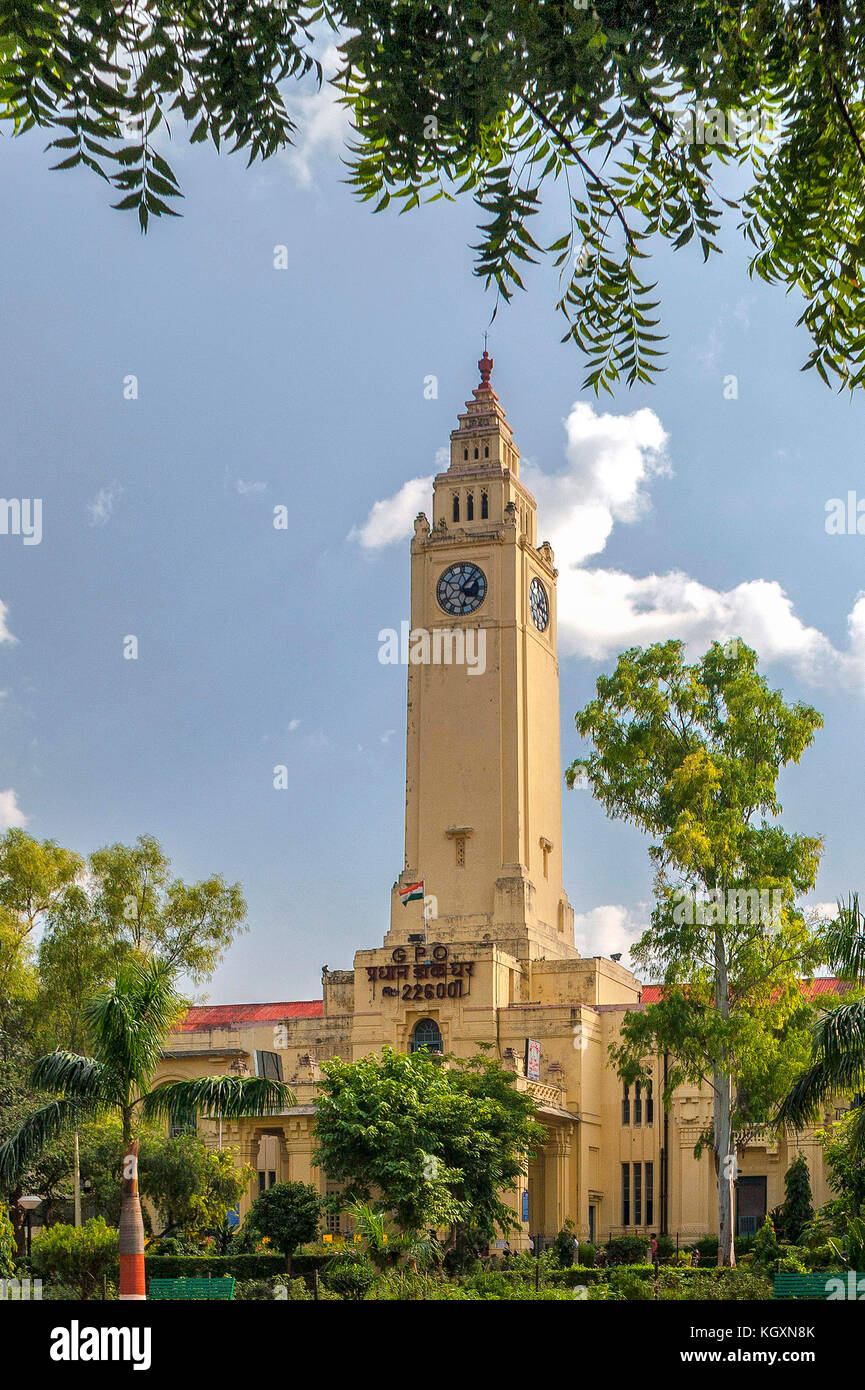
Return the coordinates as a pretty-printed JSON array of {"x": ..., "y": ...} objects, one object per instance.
[
  {"x": 293, "y": 724},
  {"x": 244, "y": 488},
  {"x": 5, "y": 634},
  {"x": 11, "y": 815},
  {"x": 102, "y": 506},
  {"x": 609, "y": 930},
  {"x": 322, "y": 123},
  {"x": 611, "y": 462},
  {"x": 391, "y": 519}
]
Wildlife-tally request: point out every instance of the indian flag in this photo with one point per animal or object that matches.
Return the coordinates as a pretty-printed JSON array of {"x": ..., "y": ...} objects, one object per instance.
[{"x": 411, "y": 893}]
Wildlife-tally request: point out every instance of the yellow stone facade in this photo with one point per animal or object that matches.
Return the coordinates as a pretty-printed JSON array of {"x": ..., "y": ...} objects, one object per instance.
[{"x": 489, "y": 956}]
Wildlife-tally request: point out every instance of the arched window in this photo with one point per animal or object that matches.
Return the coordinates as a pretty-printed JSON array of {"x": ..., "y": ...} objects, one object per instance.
[
  {"x": 465, "y": 453},
  {"x": 485, "y": 506},
  {"x": 476, "y": 453},
  {"x": 456, "y": 507},
  {"x": 426, "y": 1034},
  {"x": 486, "y": 451},
  {"x": 470, "y": 507}
]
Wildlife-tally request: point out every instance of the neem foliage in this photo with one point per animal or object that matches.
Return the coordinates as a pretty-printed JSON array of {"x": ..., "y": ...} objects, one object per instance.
[
  {"x": 438, "y": 1142},
  {"x": 626, "y": 112}
]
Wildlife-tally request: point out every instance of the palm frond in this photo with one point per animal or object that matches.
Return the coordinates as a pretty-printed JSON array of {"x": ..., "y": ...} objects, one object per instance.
[
  {"x": 232, "y": 1097},
  {"x": 844, "y": 941},
  {"x": 129, "y": 1021},
  {"x": 28, "y": 1141},
  {"x": 73, "y": 1075},
  {"x": 837, "y": 1067}
]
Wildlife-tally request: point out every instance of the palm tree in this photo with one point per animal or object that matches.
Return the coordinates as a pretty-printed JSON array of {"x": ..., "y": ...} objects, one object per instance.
[
  {"x": 838, "y": 1051},
  {"x": 127, "y": 1025}
]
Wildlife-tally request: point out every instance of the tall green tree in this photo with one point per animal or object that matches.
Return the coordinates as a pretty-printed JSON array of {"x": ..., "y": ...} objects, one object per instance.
[
  {"x": 192, "y": 1187},
  {"x": 623, "y": 115},
  {"x": 691, "y": 754},
  {"x": 34, "y": 876},
  {"x": 836, "y": 1066},
  {"x": 438, "y": 1144},
  {"x": 142, "y": 907},
  {"x": 128, "y": 1024}
]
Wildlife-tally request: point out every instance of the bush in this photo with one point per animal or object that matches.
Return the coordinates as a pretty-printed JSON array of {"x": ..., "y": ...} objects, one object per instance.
[
  {"x": 586, "y": 1254},
  {"x": 630, "y": 1284},
  {"x": 257, "y": 1290},
  {"x": 707, "y": 1247},
  {"x": 766, "y": 1248},
  {"x": 564, "y": 1245},
  {"x": 666, "y": 1247},
  {"x": 77, "y": 1255},
  {"x": 7, "y": 1243},
  {"x": 352, "y": 1276},
  {"x": 242, "y": 1267},
  {"x": 627, "y": 1250}
]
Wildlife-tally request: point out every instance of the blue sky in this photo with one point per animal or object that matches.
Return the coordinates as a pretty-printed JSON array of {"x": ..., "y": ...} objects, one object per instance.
[{"x": 305, "y": 388}]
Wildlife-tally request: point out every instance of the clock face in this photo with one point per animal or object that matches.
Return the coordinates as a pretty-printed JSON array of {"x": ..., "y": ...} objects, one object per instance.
[
  {"x": 461, "y": 589},
  {"x": 539, "y": 605}
]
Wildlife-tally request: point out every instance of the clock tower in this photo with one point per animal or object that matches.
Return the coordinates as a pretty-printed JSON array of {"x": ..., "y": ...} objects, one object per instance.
[{"x": 483, "y": 820}]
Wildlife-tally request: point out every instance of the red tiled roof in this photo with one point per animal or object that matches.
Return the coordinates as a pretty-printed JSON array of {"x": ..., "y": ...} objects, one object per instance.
[
  {"x": 812, "y": 989},
  {"x": 225, "y": 1015}
]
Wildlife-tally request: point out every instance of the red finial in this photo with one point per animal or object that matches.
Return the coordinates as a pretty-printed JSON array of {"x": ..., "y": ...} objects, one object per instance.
[{"x": 485, "y": 367}]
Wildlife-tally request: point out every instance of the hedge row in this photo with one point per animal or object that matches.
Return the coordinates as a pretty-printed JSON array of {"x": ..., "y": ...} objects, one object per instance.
[{"x": 222, "y": 1266}]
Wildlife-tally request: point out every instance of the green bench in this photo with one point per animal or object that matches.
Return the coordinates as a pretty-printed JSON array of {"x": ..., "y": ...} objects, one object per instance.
[
  {"x": 826, "y": 1285},
  {"x": 192, "y": 1289}
]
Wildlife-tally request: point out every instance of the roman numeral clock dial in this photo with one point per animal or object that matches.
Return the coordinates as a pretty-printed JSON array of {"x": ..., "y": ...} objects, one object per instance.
[{"x": 461, "y": 589}]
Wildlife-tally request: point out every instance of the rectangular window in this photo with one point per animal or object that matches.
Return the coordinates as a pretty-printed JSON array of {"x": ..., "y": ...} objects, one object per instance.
[
  {"x": 260, "y": 1180},
  {"x": 626, "y": 1194},
  {"x": 650, "y": 1104},
  {"x": 638, "y": 1105},
  {"x": 271, "y": 1178},
  {"x": 268, "y": 1065},
  {"x": 333, "y": 1219},
  {"x": 626, "y": 1108},
  {"x": 181, "y": 1121},
  {"x": 650, "y": 1194},
  {"x": 638, "y": 1195}
]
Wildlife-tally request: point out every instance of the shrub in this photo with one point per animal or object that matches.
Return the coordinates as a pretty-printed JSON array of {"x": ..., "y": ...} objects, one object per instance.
[
  {"x": 564, "y": 1244},
  {"x": 666, "y": 1247},
  {"x": 240, "y": 1266},
  {"x": 258, "y": 1290},
  {"x": 7, "y": 1243},
  {"x": 586, "y": 1254},
  {"x": 77, "y": 1255},
  {"x": 707, "y": 1247},
  {"x": 798, "y": 1209},
  {"x": 350, "y": 1275},
  {"x": 766, "y": 1248},
  {"x": 630, "y": 1286},
  {"x": 627, "y": 1250}
]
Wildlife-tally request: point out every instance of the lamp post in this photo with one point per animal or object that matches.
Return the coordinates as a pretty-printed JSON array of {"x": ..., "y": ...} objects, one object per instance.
[{"x": 29, "y": 1204}]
